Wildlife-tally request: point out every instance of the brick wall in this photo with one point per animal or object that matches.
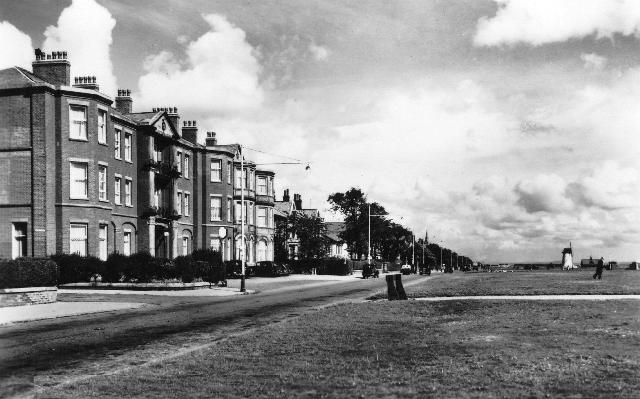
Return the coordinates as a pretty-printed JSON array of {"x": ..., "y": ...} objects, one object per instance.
[{"x": 27, "y": 296}]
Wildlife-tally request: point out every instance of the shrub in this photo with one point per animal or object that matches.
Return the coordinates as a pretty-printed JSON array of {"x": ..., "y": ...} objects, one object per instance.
[
  {"x": 115, "y": 268},
  {"x": 335, "y": 266},
  {"x": 142, "y": 267},
  {"x": 185, "y": 267},
  {"x": 75, "y": 268},
  {"x": 28, "y": 272}
]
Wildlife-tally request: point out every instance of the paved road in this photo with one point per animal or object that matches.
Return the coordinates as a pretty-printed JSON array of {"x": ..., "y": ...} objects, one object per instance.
[{"x": 52, "y": 351}]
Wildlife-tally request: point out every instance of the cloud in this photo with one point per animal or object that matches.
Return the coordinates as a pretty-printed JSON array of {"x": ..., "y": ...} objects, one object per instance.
[
  {"x": 547, "y": 21},
  {"x": 608, "y": 187},
  {"x": 16, "y": 47},
  {"x": 84, "y": 31},
  {"x": 543, "y": 193},
  {"x": 219, "y": 75},
  {"x": 593, "y": 61},
  {"x": 320, "y": 53}
]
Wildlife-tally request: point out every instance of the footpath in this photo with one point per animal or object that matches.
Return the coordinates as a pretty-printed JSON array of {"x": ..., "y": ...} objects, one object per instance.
[{"x": 85, "y": 304}]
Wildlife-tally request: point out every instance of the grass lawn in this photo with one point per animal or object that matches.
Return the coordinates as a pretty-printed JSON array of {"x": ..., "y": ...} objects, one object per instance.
[
  {"x": 407, "y": 349},
  {"x": 527, "y": 283}
]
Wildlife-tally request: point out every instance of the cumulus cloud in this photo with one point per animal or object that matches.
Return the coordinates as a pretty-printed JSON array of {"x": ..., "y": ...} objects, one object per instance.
[
  {"x": 593, "y": 61},
  {"x": 547, "y": 21},
  {"x": 84, "y": 31},
  {"x": 220, "y": 73},
  {"x": 320, "y": 53},
  {"x": 610, "y": 186},
  {"x": 16, "y": 47},
  {"x": 543, "y": 193}
]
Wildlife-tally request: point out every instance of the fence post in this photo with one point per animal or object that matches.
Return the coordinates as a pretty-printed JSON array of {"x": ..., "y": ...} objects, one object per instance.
[
  {"x": 401, "y": 294},
  {"x": 392, "y": 294}
]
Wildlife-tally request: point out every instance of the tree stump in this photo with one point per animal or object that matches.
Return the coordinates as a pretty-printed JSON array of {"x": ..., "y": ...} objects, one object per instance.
[
  {"x": 399, "y": 288},
  {"x": 392, "y": 294}
]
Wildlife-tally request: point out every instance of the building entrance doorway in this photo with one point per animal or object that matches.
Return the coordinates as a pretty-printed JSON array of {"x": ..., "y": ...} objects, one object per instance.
[{"x": 162, "y": 240}]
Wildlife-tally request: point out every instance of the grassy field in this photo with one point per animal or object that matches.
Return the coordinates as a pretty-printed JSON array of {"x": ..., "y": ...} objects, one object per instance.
[
  {"x": 453, "y": 349},
  {"x": 527, "y": 283}
]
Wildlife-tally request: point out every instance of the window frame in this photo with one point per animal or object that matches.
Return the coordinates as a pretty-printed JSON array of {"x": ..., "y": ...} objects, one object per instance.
[
  {"x": 19, "y": 242},
  {"x": 117, "y": 189},
  {"x": 103, "y": 191},
  {"x": 103, "y": 243},
  {"x": 185, "y": 169},
  {"x": 217, "y": 178},
  {"x": 85, "y": 196},
  {"x": 218, "y": 199},
  {"x": 186, "y": 199},
  {"x": 117, "y": 143},
  {"x": 85, "y": 228},
  {"x": 128, "y": 143},
  {"x": 128, "y": 194},
  {"x": 83, "y": 123},
  {"x": 102, "y": 128}
]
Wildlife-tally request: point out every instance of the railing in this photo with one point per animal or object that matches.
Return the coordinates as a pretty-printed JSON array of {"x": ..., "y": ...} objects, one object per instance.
[
  {"x": 164, "y": 169},
  {"x": 161, "y": 212}
]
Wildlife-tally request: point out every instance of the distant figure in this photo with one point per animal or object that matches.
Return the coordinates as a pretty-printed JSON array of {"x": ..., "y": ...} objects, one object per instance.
[{"x": 599, "y": 269}]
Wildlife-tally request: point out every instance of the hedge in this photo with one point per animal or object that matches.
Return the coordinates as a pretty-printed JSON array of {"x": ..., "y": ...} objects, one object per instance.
[
  {"x": 333, "y": 266},
  {"x": 28, "y": 272},
  {"x": 141, "y": 267},
  {"x": 75, "y": 268}
]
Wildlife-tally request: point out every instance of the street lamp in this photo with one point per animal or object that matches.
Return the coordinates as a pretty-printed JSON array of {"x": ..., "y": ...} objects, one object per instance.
[
  {"x": 369, "y": 243},
  {"x": 243, "y": 182}
]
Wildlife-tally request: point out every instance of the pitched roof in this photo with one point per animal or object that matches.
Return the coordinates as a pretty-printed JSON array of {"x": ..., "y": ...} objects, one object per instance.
[
  {"x": 333, "y": 230},
  {"x": 282, "y": 208},
  {"x": 16, "y": 77},
  {"x": 146, "y": 118}
]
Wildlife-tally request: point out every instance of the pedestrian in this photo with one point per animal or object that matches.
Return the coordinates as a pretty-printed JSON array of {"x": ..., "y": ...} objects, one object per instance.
[{"x": 599, "y": 269}]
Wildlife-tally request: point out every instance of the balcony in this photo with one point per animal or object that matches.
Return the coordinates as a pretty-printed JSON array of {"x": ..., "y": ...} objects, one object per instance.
[
  {"x": 248, "y": 193},
  {"x": 161, "y": 213},
  {"x": 263, "y": 199},
  {"x": 164, "y": 170}
]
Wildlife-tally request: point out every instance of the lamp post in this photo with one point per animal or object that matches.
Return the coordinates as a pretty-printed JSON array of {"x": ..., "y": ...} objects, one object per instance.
[
  {"x": 369, "y": 242},
  {"x": 243, "y": 181}
]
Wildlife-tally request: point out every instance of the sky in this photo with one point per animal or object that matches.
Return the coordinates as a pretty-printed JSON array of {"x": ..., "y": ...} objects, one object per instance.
[{"x": 504, "y": 128}]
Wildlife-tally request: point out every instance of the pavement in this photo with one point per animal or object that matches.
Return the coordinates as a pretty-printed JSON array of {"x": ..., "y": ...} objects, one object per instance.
[
  {"x": 16, "y": 314},
  {"x": 19, "y": 314},
  {"x": 596, "y": 297}
]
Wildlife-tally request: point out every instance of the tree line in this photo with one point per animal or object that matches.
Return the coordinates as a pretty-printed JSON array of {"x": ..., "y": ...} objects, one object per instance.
[{"x": 390, "y": 241}]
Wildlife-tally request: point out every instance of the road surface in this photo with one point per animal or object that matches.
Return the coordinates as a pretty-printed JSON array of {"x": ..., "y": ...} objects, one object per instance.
[{"x": 50, "y": 352}]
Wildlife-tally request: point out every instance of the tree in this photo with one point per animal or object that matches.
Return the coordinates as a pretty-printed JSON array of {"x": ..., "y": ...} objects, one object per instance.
[
  {"x": 353, "y": 206},
  {"x": 308, "y": 230}
]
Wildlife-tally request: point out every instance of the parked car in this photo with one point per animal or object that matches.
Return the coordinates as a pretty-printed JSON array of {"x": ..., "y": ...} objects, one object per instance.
[
  {"x": 271, "y": 269},
  {"x": 370, "y": 270},
  {"x": 405, "y": 269},
  {"x": 234, "y": 269},
  {"x": 425, "y": 269}
]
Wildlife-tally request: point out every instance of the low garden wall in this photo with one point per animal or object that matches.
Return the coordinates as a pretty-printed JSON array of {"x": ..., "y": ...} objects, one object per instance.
[
  {"x": 27, "y": 296},
  {"x": 28, "y": 281}
]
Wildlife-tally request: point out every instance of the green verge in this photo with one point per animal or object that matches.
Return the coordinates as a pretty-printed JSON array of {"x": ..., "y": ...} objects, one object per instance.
[
  {"x": 452, "y": 349},
  {"x": 526, "y": 283}
]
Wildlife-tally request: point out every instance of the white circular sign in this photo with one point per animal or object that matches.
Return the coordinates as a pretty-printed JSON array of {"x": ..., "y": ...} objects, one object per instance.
[{"x": 222, "y": 232}]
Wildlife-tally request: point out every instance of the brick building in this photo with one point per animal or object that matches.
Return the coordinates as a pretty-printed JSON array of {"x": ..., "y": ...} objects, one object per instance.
[{"x": 82, "y": 173}]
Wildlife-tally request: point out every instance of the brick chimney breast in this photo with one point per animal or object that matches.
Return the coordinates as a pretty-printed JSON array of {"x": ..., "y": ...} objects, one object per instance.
[
  {"x": 124, "y": 103},
  {"x": 190, "y": 131},
  {"x": 53, "y": 68},
  {"x": 211, "y": 140}
]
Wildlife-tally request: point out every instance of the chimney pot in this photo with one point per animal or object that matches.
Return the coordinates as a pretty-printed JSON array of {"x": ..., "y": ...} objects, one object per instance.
[{"x": 64, "y": 55}]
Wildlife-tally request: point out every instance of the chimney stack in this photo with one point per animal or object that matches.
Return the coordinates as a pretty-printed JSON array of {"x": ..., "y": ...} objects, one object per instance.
[
  {"x": 124, "y": 103},
  {"x": 297, "y": 200},
  {"x": 53, "y": 68},
  {"x": 211, "y": 140},
  {"x": 285, "y": 196},
  {"x": 172, "y": 114},
  {"x": 86, "y": 82},
  {"x": 190, "y": 131}
]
